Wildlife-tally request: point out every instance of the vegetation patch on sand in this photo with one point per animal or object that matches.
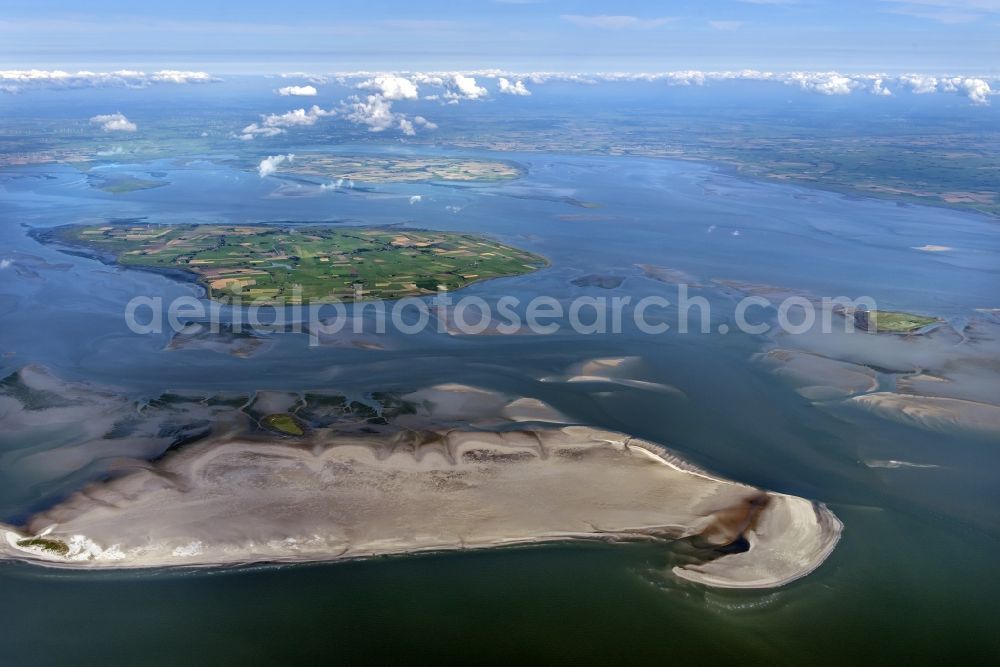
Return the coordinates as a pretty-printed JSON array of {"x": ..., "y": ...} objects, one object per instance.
[
  {"x": 55, "y": 546},
  {"x": 283, "y": 423},
  {"x": 293, "y": 264}
]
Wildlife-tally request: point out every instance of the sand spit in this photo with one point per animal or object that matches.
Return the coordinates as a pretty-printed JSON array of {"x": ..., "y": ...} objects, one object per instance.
[
  {"x": 612, "y": 370},
  {"x": 819, "y": 378},
  {"x": 246, "y": 500},
  {"x": 893, "y": 464},
  {"x": 934, "y": 412},
  {"x": 458, "y": 404},
  {"x": 789, "y": 539},
  {"x": 666, "y": 274}
]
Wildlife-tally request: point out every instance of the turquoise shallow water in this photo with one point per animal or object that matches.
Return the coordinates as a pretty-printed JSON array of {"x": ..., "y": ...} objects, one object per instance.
[{"x": 913, "y": 577}]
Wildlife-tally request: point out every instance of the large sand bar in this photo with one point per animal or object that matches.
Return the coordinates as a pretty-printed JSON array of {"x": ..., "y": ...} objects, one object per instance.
[{"x": 242, "y": 501}]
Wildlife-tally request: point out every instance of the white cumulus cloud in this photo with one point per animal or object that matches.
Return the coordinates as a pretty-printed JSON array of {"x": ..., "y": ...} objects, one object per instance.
[
  {"x": 877, "y": 87},
  {"x": 297, "y": 91},
  {"x": 977, "y": 90},
  {"x": 114, "y": 122},
  {"x": 919, "y": 84},
  {"x": 297, "y": 117},
  {"x": 391, "y": 87},
  {"x": 376, "y": 112},
  {"x": 275, "y": 123},
  {"x": 270, "y": 164},
  {"x": 827, "y": 83},
  {"x": 461, "y": 87},
  {"x": 423, "y": 122},
  {"x": 516, "y": 88}
]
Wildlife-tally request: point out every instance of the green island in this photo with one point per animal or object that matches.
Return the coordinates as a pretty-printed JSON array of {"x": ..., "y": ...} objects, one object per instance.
[
  {"x": 123, "y": 184},
  {"x": 890, "y": 321},
  {"x": 896, "y": 322},
  {"x": 295, "y": 264},
  {"x": 283, "y": 423}
]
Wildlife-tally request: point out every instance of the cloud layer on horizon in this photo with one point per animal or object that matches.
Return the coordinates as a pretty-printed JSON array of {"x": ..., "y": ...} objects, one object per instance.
[
  {"x": 376, "y": 110},
  {"x": 13, "y": 81},
  {"x": 462, "y": 85}
]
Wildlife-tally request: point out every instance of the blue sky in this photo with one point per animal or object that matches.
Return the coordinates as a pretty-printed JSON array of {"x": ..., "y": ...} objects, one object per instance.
[{"x": 927, "y": 36}]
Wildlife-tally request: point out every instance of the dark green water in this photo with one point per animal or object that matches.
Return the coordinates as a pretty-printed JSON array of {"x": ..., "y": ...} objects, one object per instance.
[{"x": 885, "y": 595}]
